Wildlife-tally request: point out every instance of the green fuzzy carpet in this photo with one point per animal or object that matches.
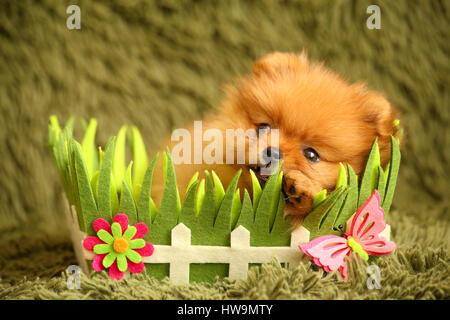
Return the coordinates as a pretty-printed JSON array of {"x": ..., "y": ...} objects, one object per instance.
[{"x": 161, "y": 65}]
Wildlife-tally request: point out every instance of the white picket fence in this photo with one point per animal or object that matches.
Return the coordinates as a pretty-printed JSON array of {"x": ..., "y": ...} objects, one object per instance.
[{"x": 180, "y": 254}]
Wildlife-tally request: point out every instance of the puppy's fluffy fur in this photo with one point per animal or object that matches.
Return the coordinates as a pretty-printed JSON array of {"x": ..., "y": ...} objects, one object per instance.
[{"x": 312, "y": 107}]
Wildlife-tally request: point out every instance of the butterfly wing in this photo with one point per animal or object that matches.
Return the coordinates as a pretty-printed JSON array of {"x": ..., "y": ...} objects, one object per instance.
[
  {"x": 367, "y": 224},
  {"x": 328, "y": 252}
]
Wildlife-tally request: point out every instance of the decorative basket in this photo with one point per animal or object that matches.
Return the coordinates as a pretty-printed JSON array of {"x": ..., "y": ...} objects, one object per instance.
[{"x": 213, "y": 232}]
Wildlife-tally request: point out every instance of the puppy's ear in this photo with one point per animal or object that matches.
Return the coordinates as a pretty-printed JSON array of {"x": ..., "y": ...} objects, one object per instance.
[
  {"x": 380, "y": 114},
  {"x": 277, "y": 62},
  {"x": 382, "y": 117}
]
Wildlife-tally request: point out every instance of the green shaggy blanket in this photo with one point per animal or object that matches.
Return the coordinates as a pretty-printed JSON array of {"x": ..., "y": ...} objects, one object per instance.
[{"x": 160, "y": 65}]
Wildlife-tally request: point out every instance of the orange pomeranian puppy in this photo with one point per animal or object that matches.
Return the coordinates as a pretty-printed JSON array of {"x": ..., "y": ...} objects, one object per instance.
[{"x": 319, "y": 119}]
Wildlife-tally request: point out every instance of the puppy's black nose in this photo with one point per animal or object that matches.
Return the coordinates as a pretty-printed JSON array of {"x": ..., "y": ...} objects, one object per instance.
[{"x": 272, "y": 154}]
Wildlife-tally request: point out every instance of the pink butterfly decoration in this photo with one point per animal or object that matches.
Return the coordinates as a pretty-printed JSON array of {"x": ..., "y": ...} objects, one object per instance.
[{"x": 362, "y": 236}]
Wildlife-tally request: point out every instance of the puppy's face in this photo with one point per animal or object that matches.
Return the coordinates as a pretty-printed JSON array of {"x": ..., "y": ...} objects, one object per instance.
[{"x": 321, "y": 120}]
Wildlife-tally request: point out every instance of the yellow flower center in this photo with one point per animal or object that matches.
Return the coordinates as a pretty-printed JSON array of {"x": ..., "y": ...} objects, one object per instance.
[{"x": 120, "y": 245}]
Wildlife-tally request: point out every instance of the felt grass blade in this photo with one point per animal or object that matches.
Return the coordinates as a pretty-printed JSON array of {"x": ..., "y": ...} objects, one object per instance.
[
  {"x": 314, "y": 219},
  {"x": 394, "y": 166},
  {"x": 269, "y": 221},
  {"x": 256, "y": 192},
  {"x": 55, "y": 148},
  {"x": 279, "y": 217},
  {"x": 164, "y": 165},
  {"x": 166, "y": 158},
  {"x": 193, "y": 179},
  {"x": 144, "y": 201},
  {"x": 188, "y": 211},
  {"x": 54, "y": 130},
  {"x": 200, "y": 196},
  {"x": 87, "y": 202},
  {"x": 276, "y": 198},
  {"x": 319, "y": 197},
  {"x": 351, "y": 200},
  {"x": 153, "y": 209},
  {"x": 94, "y": 185},
  {"x": 114, "y": 197},
  {"x": 369, "y": 179},
  {"x": 140, "y": 160},
  {"x": 342, "y": 181},
  {"x": 207, "y": 213},
  {"x": 342, "y": 177},
  {"x": 381, "y": 184},
  {"x": 226, "y": 217},
  {"x": 72, "y": 169},
  {"x": 235, "y": 208},
  {"x": 219, "y": 191},
  {"x": 58, "y": 141},
  {"x": 167, "y": 215},
  {"x": 280, "y": 234},
  {"x": 246, "y": 215},
  {"x": 127, "y": 176},
  {"x": 68, "y": 128},
  {"x": 118, "y": 165},
  {"x": 127, "y": 204},
  {"x": 267, "y": 206},
  {"x": 329, "y": 220},
  {"x": 89, "y": 149},
  {"x": 202, "y": 225},
  {"x": 375, "y": 165},
  {"x": 101, "y": 156},
  {"x": 104, "y": 183},
  {"x": 386, "y": 171}
]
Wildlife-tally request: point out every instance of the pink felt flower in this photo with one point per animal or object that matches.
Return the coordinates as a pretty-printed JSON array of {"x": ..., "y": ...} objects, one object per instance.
[{"x": 118, "y": 246}]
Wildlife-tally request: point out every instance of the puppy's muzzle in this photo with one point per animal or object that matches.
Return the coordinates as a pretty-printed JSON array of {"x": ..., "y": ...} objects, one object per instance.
[
  {"x": 271, "y": 154},
  {"x": 270, "y": 158}
]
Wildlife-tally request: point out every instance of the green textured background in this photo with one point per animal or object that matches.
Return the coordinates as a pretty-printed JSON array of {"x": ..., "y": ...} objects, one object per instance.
[{"x": 158, "y": 66}]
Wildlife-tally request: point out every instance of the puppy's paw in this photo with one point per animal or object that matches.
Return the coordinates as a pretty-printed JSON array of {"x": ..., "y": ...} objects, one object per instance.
[{"x": 299, "y": 193}]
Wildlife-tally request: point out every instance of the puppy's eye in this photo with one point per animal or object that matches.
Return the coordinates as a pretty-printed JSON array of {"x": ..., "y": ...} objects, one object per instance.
[
  {"x": 311, "y": 155},
  {"x": 263, "y": 126}
]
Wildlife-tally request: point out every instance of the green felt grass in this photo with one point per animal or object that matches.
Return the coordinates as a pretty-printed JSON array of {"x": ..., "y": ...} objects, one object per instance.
[{"x": 215, "y": 212}]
